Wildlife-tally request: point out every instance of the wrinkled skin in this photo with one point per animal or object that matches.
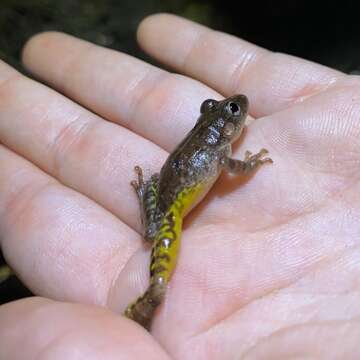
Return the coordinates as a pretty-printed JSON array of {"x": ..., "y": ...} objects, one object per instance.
[{"x": 269, "y": 265}]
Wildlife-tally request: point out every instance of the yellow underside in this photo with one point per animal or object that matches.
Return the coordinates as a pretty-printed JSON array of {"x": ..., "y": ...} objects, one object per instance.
[
  {"x": 165, "y": 251},
  {"x": 171, "y": 228}
]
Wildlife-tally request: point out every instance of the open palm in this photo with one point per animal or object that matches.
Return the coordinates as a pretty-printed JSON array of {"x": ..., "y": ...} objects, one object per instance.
[{"x": 269, "y": 265}]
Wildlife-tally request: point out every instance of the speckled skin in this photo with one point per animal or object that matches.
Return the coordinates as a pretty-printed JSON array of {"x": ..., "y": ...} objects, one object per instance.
[{"x": 184, "y": 179}]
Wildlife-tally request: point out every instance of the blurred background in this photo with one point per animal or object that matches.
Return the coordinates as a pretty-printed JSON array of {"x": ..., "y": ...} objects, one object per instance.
[{"x": 323, "y": 31}]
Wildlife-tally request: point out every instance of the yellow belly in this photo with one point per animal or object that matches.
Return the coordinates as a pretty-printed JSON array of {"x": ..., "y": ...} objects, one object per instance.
[{"x": 166, "y": 244}]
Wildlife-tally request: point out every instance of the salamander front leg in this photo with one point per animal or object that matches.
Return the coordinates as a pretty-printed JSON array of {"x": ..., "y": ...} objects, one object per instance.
[{"x": 248, "y": 165}]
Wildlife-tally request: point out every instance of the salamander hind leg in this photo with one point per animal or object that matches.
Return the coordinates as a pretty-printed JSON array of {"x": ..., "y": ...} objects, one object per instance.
[
  {"x": 139, "y": 185},
  {"x": 147, "y": 193}
]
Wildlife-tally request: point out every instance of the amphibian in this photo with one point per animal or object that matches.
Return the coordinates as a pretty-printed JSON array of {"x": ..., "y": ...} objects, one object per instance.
[{"x": 188, "y": 173}]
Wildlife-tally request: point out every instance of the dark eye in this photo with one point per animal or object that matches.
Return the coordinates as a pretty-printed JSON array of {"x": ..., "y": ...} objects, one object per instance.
[
  {"x": 207, "y": 105},
  {"x": 234, "y": 108}
]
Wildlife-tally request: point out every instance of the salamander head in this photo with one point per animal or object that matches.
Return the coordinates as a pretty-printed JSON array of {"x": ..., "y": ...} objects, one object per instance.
[{"x": 223, "y": 120}]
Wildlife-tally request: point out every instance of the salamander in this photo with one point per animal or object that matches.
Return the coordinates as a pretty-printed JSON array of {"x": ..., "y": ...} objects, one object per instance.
[{"x": 188, "y": 173}]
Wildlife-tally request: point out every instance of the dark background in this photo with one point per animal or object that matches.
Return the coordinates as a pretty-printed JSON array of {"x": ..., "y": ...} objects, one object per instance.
[{"x": 327, "y": 32}]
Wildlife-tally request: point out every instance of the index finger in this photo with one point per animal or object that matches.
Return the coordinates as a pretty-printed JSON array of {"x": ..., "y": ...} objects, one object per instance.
[{"x": 272, "y": 81}]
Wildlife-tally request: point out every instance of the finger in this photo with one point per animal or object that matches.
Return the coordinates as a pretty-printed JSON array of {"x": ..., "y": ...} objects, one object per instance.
[
  {"x": 272, "y": 81},
  {"x": 61, "y": 45},
  {"x": 161, "y": 126},
  {"x": 80, "y": 332},
  {"x": 78, "y": 148},
  {"x": 158, "y": 105},
  {"x": 59, "y": 242}
]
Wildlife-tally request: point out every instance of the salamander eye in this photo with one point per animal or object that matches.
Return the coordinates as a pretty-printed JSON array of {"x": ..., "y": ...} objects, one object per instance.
[
  {"x": 234, "y": 108},
  {"x": 207, "y": 105}
]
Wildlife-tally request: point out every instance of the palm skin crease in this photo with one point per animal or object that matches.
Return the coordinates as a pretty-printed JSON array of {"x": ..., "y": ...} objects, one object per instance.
[{"x": 269, "y": 265}]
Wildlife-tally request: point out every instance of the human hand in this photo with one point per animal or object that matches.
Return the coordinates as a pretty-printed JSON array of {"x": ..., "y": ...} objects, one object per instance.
[{"x": 268, "y": 267}]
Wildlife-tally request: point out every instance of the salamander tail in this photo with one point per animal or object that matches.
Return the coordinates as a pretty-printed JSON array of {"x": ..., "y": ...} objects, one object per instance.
[{"x": 143, "y": 309}]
